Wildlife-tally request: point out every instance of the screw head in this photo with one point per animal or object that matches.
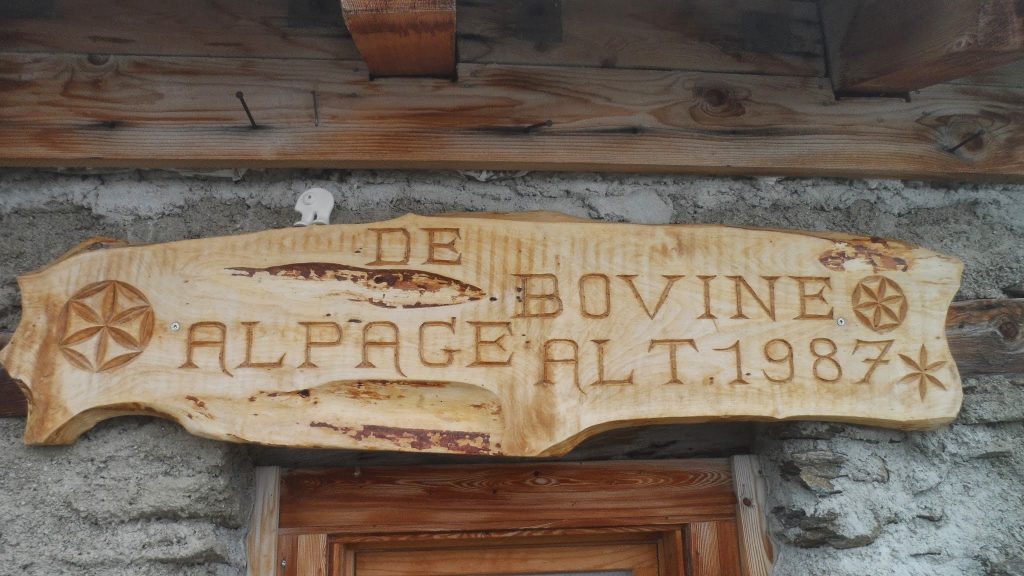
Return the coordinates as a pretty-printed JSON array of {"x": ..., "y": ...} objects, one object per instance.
[
  {"x": 841, "y": 322},
  {"x": 175, "y": 326}
]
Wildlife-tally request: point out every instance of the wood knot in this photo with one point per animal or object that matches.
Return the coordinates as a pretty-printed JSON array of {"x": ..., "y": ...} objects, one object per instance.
[
  {"x": 747, "y": 502},
  {"x": 98, "y": 59},
  {"x": 1009, "y": 329},
  {"x": 715, "y": 102}
]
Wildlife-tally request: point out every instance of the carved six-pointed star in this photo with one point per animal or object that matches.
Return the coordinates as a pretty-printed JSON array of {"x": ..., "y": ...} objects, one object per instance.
[{"x": 922, "y": 371}]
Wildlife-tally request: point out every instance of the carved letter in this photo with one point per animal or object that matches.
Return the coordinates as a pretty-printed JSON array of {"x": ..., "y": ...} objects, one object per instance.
[
  {"x": 671, "y": 281},
  {"x": 527, "y": 295},
  {"x": 449, "y": 353},
  {"x": 741, "y": 283},
  {"x": 406, "y": 246},
  {"x": 194, "y": 343},
  {"x": 818, "y": 296},
  {"x": 249, "y": 338},
  {"x": 605, "y": 289},
  {"x": 707, "y": 315},
  {"x": 454, "y": 256},
  {"x": 367, "y": 344},
  {"x": 673, "y": 346},
  {"x": 601, "y": 380},
  {"x": 495, "y": 343},
  {"x": 311, "y": 343},
  {"x": 548, "y": 360}
]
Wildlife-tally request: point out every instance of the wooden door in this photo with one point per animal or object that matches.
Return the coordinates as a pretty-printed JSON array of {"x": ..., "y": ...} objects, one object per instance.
[{"x": 635, "y": 518}]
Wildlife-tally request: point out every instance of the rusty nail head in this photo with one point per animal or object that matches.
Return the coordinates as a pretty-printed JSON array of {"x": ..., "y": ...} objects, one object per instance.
[{"x": 747, "y": 502}]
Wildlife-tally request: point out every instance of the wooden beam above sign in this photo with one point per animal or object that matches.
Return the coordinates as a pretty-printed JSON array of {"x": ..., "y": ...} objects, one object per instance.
[
  {"x": 182, "y": 112},
  {"x": 404, "y": 37},
  {"x": 516, "y": 336},
  {"x": 886, "y": 46}
]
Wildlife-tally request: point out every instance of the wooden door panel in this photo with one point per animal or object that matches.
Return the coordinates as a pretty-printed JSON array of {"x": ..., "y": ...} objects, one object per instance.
[{"x": 639, "y": 559}]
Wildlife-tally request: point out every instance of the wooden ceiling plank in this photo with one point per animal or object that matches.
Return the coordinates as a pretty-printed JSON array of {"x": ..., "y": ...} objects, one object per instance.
[
  {"x": 886, "y": 46},
  {"x": 403, "y": 37},
  {"x": 775, "y": 37},
  {"x": 64, "y": 110},
  {"x": 225, "y": 28}
]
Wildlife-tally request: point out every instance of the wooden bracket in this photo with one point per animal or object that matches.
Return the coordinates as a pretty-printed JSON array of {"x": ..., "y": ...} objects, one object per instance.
[
  {"x": 404, "y": 37},
  {"x": 886, "y": 47}
]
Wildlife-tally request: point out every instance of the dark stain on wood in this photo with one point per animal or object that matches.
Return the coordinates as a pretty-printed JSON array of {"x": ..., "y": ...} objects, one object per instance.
[
  {"x": 417, "y": 438},
  {"x": 199, "y": 403},
  {"x": 877, "y": 252},
  {"x": 393, "y": 288}
]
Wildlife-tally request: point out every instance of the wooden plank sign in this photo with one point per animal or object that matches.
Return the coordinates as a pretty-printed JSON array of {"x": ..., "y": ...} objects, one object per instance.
[{"x": 505, "y": 335}]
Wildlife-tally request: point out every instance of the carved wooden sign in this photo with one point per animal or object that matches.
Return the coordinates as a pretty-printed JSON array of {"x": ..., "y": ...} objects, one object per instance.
[{"x": 512, "y": 335}]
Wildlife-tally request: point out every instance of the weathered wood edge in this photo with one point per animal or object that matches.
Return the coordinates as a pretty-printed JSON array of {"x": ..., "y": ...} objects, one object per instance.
[
  {"x": 756, "y": 554},
  {"x": 261, "y": 541}
]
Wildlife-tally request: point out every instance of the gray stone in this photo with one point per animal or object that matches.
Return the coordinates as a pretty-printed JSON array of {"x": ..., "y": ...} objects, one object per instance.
[
  {"x": 993, "y": 399},
  {"x": 132, "y": 496}
]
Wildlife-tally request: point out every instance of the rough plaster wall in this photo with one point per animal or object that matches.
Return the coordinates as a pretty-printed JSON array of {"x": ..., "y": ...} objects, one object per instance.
[{"x": 141, "y": 498}]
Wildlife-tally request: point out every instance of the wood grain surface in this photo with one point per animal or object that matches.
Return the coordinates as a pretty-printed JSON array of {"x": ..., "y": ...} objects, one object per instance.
[
  {"x": 713, "y": 549},
  {"x": 638, "y": 559},
  {"x": 987, "y": 336},
  {"x": 777, "y": 37},
  {"x": 751, "y": 36},
  {"x": 261, "y": 541},
  {"x": 756, "y": 553},
  {"x": 885, "y": 46},
  {"x": 403, "y": 38},
  {"x": 486, "y": 336},
  {"x": 512, "y": 497},
  {"x": 163, "y": 111}
]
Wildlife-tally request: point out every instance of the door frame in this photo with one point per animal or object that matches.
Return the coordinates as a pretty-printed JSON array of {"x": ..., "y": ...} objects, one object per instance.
[{"x": 303, "y": 519}]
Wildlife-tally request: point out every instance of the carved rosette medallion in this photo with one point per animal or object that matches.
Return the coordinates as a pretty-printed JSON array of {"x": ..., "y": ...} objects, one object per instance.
[
  {"x": 105, "y": 325},
  {"x": 879, "y": 303}
]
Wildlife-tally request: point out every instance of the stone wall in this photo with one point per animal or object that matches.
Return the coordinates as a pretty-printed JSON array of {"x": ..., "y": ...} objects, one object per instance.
[{"x": 141, "y": 497}]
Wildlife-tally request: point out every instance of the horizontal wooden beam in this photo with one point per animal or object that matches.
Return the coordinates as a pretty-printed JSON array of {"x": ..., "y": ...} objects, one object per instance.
[
  {"x": 888, "y": 46},
  {"x": 62, "y": 110},
  {"x": 775, "y": 37},
  {"x": 403, "y": 37},
  {"x": 985, "y": 336},
  {"x": 513, "y": 497}
]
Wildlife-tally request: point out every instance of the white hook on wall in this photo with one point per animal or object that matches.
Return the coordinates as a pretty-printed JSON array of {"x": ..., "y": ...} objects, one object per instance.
[{"x": 315, "y": 205}]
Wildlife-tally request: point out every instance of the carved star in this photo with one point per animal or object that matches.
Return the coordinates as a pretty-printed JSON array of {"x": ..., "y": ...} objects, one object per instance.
[
  {"x": 106, "y": 325},
  {"x": 921, "y": 372},
  {"x": 879, "y": 303}
]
